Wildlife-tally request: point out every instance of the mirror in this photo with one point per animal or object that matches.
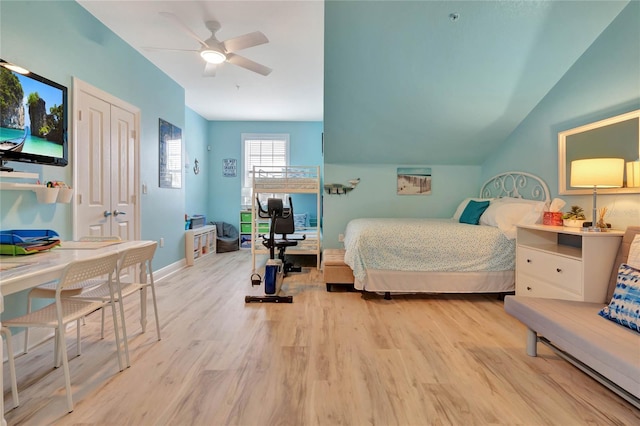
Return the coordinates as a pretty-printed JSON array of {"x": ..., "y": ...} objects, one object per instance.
[{"x": 615, "y": 137}]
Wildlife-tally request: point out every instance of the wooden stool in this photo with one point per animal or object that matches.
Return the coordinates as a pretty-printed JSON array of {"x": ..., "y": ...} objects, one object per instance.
[{"x": 334, "y": 269}]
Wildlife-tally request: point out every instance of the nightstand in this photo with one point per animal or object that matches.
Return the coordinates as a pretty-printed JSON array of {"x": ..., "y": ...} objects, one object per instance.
[{"x": 557, "y": 262}]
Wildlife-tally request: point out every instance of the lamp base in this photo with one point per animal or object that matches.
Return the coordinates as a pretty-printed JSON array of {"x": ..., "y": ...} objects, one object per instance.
[{"x": 588, "y": 227}]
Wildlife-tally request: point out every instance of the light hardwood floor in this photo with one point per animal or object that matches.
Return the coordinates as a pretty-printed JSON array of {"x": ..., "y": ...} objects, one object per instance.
[{"x": 339, "y": 358}]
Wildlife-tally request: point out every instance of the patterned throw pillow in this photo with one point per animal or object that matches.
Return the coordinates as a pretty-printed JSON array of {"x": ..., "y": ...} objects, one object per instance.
[{"x": 624, "y": 307}]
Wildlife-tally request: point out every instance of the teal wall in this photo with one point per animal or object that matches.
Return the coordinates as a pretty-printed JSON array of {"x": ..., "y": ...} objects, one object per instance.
[
  {"x": 376, "y": 195},
  {"x": 603, "y": 83},
  {"x": 58, "y": 40},
  {"x": 196, "y": 143},
  {"x": 305, "y": 145}
]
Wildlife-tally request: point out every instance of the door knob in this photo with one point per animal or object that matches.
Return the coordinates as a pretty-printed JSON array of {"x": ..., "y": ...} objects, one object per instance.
[
  {"x": 116, "y": 212},
  {"x": 106, "y": 213}
]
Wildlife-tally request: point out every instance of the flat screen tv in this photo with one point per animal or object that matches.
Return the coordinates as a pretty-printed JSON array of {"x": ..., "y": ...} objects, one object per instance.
[{"x": 33, "y": 118}]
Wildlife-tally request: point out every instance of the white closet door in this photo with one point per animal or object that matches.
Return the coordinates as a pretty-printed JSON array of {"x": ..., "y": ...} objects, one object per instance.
[{"x": 105, "y": 152}]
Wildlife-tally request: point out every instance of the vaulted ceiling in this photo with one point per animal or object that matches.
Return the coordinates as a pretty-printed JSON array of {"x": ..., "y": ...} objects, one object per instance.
[{"x": 437, "y": 82}]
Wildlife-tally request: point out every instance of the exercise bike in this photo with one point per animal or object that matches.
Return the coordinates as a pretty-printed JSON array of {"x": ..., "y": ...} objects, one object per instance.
[{"x": 281, "y": 225}]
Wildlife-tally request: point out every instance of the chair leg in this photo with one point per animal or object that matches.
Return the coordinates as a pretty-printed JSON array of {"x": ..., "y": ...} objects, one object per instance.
[
  {"x": 143, "y": 309},
  {"x": 117, "y": 333},
  {"x": 124, "y": 331},
  {"x": 155, "y": 308},
  {"x": 78, "y": 341},
  {"x": 102, "y": 325},
  {"x": 26, "y": 330},
  {"x": 65, "y": 365},
  {"x": 12, "y": 366},
  {"x": 56, "y": 349}
]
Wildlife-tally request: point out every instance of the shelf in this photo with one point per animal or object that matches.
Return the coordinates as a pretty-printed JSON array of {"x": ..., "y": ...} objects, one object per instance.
[{"x": 19, "y": 175}]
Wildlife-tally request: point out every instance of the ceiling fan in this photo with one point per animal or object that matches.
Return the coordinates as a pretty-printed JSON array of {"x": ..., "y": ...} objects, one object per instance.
[{"x": 215, "y": 52}]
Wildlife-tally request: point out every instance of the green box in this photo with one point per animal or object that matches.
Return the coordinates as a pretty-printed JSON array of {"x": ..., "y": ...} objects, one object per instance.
[
  {"x": 245, "y": 217},
  {"x": 263, "y": 228},
  {"x": 245, "y": 228}
]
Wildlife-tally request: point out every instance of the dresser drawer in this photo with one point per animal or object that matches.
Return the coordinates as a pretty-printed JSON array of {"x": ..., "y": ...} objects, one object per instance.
[
  {"x": 532, "y": 287},
  {"x": 555, "y": 270}
]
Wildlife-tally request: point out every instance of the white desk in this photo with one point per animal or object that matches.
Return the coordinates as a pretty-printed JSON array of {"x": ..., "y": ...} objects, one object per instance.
[{"x": 19, "y": 273}]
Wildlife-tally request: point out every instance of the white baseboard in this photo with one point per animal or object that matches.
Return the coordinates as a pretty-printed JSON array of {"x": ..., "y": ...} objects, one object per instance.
[{"x": 169, "y": 270}]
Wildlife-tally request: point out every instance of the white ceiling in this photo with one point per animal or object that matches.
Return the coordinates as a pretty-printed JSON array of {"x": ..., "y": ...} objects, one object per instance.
[{"x": 292, "y": 92}]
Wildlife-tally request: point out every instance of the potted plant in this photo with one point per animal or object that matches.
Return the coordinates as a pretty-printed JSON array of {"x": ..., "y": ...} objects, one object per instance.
[{"x": 574, "y": 218}]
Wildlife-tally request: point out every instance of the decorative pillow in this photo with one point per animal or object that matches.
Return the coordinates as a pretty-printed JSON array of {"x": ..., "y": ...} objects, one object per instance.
[
  {"x": 634, "y": 253},
  {"x": 473, "y": 211},
  {"x": 624, "y": 307},
  {"x": 507, "y": 215},
  {"x": 463, "y": 205},
  {"x": 300, "y": 220}
]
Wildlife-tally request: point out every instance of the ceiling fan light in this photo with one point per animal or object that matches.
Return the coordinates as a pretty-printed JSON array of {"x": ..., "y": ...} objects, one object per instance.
[{"x": 213, "y": 56}]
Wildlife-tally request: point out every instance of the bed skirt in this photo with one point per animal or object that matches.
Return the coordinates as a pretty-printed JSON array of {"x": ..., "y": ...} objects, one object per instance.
[{"x": 437, "y": 282}]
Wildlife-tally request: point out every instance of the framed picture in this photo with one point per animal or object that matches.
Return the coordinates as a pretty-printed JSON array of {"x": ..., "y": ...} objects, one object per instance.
[
  {"x": 414, "y": 180},
  {"x": 170, "y": 162},
  {"x": 229, "y": 167}
]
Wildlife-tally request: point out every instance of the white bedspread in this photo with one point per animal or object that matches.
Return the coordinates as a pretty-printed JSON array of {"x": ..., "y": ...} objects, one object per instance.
[{"x": 425, "y": 245}]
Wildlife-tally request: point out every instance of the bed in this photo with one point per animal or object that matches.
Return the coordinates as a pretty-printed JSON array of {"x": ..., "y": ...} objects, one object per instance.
[{"x": 400, "y": 255}]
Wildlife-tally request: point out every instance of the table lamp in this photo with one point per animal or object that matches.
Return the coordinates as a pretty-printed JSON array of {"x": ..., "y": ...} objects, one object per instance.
[
  {"x": 633, "y": 174},
  {"x": 597, "y": 173}
]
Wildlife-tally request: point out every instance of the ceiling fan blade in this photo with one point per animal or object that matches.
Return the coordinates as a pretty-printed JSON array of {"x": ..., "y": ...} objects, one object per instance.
[
  {"x": 255, "y": 38},
  {"x": 154, "y": 49},
  {"x": 243, "y": 62},
  {"x": 182, "y": 25},
  {"x": 210, "y": 70}
]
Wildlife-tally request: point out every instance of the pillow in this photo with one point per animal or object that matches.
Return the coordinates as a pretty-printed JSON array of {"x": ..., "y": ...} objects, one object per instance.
[
  {"x": 525, "y": 212},
  {"x": 473, "y": 211},
  {"x": 300, "y": 220},
  {"x": 624, "y": 307},
  {"x": 463, "y": 205},
  {"x": 634, "y": 253}
]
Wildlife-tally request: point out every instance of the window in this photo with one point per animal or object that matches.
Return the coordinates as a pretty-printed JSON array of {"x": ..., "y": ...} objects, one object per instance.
[{"x": 262, "y": 150}]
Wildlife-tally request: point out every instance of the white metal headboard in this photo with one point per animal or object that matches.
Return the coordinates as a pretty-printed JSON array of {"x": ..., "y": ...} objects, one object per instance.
[{"x": 516, "y": 185}]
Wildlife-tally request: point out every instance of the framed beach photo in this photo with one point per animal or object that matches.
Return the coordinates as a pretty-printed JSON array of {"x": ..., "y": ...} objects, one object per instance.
[{"x": 414, "y": 180}]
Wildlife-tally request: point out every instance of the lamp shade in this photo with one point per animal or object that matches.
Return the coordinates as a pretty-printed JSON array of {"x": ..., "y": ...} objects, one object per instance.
[
  {"x": 597, "y": 172},
  {"x": 633, "y": 174}
]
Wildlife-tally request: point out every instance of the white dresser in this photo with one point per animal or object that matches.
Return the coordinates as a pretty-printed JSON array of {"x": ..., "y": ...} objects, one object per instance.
[{"x": 564, "y": 263}]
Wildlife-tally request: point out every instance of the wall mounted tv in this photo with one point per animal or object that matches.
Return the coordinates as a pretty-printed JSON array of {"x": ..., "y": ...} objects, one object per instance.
[{"x": 33, "y": 118}]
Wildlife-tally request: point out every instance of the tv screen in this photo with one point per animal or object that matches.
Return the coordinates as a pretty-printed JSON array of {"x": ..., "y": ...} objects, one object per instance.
[{"x": 33, "y": 118}]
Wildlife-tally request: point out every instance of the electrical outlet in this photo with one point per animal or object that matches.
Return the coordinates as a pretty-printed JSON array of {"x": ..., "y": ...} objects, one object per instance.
[
  {"x": 161, "y": 242},
  {"x": 341, "y": 238}
]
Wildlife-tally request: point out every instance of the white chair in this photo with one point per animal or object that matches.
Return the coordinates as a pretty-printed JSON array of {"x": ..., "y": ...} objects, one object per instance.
[
  {"x": 67, "y": 310},
  {"x": 6, "y": 333},
  {"x": 48, "y": 290},
  {"x": 141, "y": 257}
]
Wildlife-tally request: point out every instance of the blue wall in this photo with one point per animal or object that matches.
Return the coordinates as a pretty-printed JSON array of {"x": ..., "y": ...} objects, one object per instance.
[
  {"x": 603, "y": 83},
  {"x": 305, "y": 145},
  {"x": 58, "y": 40},
  {"x": 196, "y": 143}
]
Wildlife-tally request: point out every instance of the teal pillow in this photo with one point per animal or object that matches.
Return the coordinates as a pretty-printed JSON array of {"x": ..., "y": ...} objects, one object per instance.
[{"x": 473, "y": 211}]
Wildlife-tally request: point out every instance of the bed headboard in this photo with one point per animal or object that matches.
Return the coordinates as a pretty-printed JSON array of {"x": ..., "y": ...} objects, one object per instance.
[{"x": 516, "y": 185}]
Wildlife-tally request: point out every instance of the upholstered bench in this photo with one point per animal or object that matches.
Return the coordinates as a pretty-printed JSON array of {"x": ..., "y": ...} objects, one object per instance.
[{"x": 335, "y": 270}]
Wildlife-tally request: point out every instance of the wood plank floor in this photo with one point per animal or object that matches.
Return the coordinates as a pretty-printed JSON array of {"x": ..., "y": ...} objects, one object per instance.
[{"x": 340, "y": 358}]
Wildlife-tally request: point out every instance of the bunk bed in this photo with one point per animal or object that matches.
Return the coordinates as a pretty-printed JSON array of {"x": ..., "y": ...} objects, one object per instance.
[{"x": 285, "y": 181}]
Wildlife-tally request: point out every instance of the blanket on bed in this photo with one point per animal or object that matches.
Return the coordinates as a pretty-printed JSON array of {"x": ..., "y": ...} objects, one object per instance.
[{"x": 425, "y": 245}]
